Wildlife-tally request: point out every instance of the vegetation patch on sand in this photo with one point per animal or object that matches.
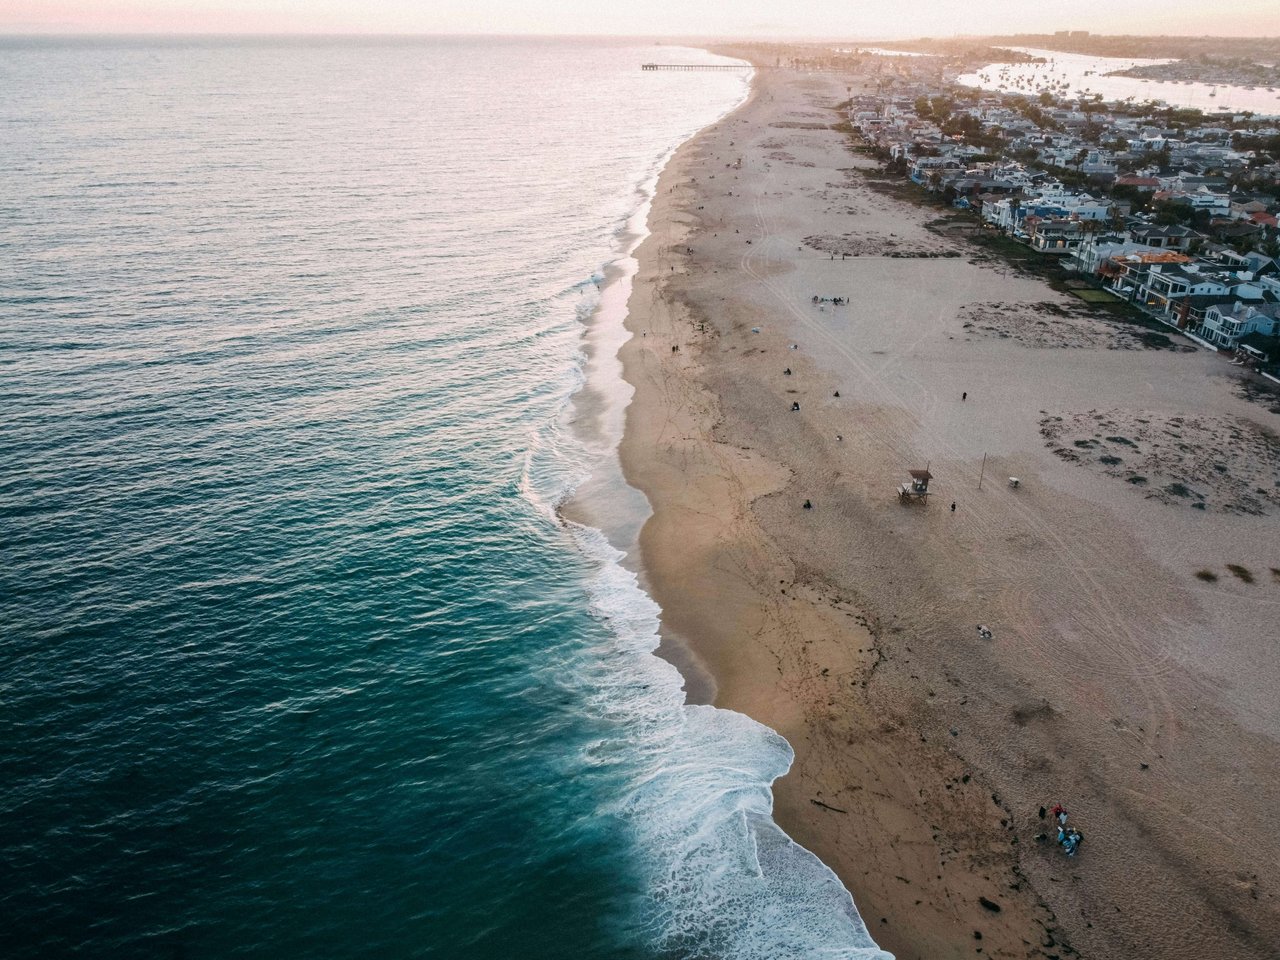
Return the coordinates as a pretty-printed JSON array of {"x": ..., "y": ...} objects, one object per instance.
[
  {"x": 1089, "y": 295},
  {"x": 1240, "y": 573},
  {"x": 1050, "y": 324},
  {"x": 800, "y": 125},
  {"x": 864, "y": 245},
  {"x": 1208, "y": 463},
  {"x": 1010, "y": 257},
  {"x": 1261, "y": 392},
  {"x": 783, "y": 157}
]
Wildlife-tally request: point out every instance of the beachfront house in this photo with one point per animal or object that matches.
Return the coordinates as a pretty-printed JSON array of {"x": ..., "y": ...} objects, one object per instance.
[
  {"x": 925, "y": 168},
  {"x": 1005, "y": 214},
  {"x": 1166, "y": 285},
  {"x": 1125, "y": 274},
  {"x": 1167, "y": 282},
  {"x": 1225, "y": 324},
  {"x": 1056, "y": 235},
  {"x": 1182, "y": 293},
  {"x": 1089, "y": 257},
  {"x": 1189, "y": 312}
]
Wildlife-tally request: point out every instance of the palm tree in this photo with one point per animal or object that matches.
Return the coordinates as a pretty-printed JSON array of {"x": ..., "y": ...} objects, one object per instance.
[{"x": 1091, "y": 229}]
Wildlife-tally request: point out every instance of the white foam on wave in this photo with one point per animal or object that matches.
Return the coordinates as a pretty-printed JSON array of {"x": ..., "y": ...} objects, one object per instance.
[
  {"x": 724, "y": 880},
  {"x": 721, "y": 878}
]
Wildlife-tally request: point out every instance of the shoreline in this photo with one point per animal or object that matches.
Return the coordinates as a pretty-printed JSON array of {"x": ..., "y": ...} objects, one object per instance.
[
  {"x": 651, "y": 330},
  {"x": 917, "y": 782},
  {"x": 594, "y": 502}
]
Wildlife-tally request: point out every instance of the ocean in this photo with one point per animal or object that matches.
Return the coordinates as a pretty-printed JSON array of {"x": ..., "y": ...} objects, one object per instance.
[{"x": 299, "y": 659}]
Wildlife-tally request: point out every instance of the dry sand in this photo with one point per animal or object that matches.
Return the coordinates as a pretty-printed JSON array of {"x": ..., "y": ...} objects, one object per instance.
[{"x": 1119, "y": 683}]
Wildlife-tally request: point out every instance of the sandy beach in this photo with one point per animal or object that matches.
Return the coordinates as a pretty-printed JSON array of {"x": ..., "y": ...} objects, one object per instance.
[{"x": 1130, "y": 675}]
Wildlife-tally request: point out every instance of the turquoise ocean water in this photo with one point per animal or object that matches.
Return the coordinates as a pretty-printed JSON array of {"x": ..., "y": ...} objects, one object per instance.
[{"x": 298, "y": 660}]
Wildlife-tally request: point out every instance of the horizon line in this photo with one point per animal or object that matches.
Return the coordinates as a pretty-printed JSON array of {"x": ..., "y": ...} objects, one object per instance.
[{"x": 40, "y": 31}]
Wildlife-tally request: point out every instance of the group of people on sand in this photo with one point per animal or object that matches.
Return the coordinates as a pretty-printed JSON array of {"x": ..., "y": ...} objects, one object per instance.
[
  {"x": 838, "y": 301},
  {"x": 1069, "y": 838}
]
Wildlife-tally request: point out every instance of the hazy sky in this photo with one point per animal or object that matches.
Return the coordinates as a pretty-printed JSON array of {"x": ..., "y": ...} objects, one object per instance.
[{"x": 818, "y": 18}]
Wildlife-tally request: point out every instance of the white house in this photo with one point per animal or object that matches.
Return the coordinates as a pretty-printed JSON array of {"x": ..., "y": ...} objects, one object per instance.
[
  {"x": 1225, "y": 323},
  {"x": 1093, "y": 253}
]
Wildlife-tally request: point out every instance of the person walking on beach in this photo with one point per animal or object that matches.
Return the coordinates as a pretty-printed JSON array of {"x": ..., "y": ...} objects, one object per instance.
[
  {"x": 964, "y": 396},
  {"x": 953, "y": 506}
]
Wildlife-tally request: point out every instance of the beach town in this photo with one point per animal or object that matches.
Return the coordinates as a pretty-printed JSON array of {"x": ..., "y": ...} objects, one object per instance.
[
  {"x": 1170, "y": 210},
  {"x": 910, "y": 356}
]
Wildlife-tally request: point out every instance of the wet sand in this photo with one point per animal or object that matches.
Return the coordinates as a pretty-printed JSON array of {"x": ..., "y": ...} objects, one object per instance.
[{"x": 1116, "y": 682}]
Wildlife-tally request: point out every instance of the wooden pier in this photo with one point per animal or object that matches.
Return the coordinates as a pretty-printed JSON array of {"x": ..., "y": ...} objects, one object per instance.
[{"x": 695, "y": 66}]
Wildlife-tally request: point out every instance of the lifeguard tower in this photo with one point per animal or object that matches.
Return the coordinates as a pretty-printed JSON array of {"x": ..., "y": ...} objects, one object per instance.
[{"x": 917, "y": 488}]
